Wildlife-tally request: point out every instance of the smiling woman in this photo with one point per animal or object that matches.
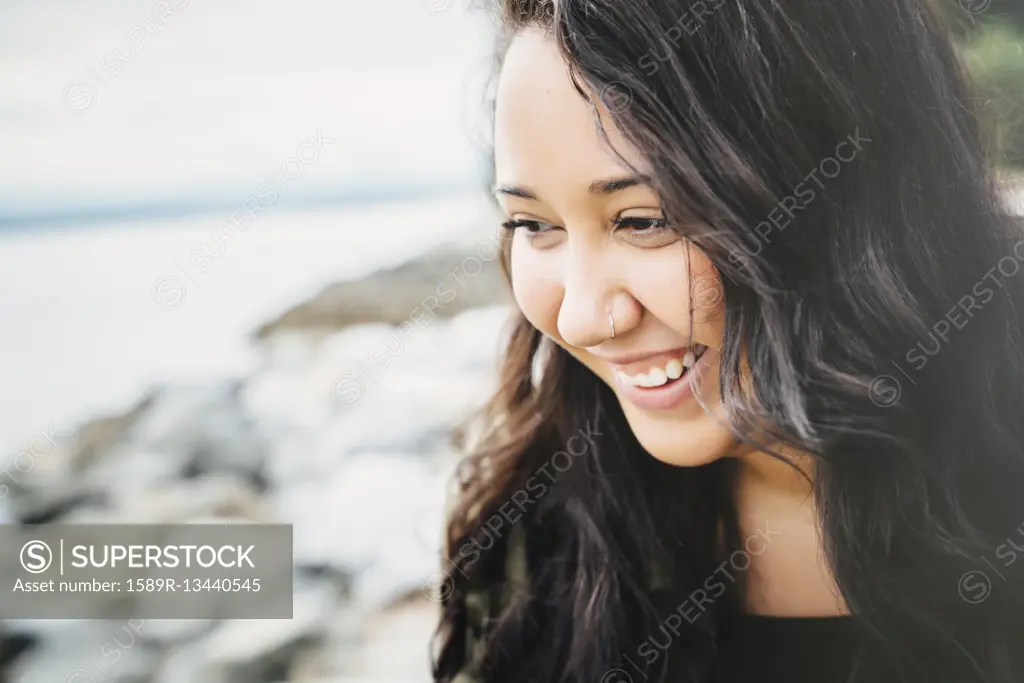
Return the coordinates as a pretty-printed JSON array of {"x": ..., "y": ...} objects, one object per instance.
[
  {"x": 593, "y": 251},
  {"x": 720, "y": 259}
]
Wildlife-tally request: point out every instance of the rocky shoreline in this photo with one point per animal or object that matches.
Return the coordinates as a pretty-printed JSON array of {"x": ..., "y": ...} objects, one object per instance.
[{"x": 342, "y": 431}]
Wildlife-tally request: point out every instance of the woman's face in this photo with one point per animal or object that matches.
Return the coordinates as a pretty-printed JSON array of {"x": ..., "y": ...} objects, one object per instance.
[{"x": 590, "y": 240}]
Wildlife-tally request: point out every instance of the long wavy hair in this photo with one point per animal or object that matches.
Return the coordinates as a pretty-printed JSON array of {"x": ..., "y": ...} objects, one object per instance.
[{"x": 852, "y": 319}]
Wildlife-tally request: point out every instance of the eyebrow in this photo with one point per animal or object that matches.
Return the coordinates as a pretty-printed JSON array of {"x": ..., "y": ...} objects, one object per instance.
[{"x": 598, "y": 187}]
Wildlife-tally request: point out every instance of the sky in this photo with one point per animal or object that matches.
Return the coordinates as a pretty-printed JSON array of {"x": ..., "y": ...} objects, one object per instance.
[{"x": 141, "y": 105}]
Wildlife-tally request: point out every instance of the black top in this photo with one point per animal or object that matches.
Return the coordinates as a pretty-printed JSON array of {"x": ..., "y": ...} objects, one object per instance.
[
  {"x": 754, "y": 648},
  {"x": 791, "y": 649}
]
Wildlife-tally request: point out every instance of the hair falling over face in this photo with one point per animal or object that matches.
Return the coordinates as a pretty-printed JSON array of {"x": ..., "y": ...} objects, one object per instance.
[{"x": 911, "y": 493}]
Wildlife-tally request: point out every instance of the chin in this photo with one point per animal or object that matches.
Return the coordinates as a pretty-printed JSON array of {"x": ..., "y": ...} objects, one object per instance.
[{"x": 681, "y": 442}]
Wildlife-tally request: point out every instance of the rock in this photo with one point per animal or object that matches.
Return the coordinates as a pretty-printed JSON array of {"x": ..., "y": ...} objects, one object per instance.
[
  {"x": 441, "y": 283},
  {"x": 250, "y": 650},
  {"x": 99, "y": 436},
  {"x": 308, "y": 666},
  {"x": 14, "y": 646},
  {"x": 391, "y": 493},
  {"x": 89, "y": 651},
  {"x": 217, "y": 496},
  {"x": 383, "y": 652},
  {"x": 337, "y": 402},
  {"x": 175, "y": 433},
  {"x": 362, "y": 482},
  {"x": 220, "y": 435},
  {"x": 167, "y": 633},
  {"x": 46, "y": 486}
]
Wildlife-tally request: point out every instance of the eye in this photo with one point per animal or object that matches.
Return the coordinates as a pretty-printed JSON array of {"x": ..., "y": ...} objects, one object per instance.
[
  {"x": 532, "y": 227},
  {"x": 538, "y": 234},
  {"x": 640, "y": 223},
  {"x": 650, "y": 232}
]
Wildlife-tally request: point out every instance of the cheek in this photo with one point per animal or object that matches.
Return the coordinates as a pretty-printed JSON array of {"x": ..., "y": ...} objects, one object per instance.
[
  {"x": 669, "y": 282},
  {"x": 537, "y": 288}
]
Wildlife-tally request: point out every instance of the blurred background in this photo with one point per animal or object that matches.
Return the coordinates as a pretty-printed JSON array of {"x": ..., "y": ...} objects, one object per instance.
[{"x": 248, "y": 272}]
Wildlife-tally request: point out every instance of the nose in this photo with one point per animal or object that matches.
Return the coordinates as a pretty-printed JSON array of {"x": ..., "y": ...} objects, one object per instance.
[{"x": 590, "y": 293}]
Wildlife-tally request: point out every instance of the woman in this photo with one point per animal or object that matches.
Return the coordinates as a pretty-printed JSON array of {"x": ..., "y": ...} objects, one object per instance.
[{"x": 759, "y": 417}]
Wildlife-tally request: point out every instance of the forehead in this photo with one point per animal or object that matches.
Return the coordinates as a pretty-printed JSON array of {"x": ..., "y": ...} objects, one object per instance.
[{"x": 546, "y": 132}]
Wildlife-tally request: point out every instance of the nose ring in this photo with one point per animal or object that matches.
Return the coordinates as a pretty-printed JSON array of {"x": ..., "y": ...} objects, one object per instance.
[{"x": 612, "y": 321}]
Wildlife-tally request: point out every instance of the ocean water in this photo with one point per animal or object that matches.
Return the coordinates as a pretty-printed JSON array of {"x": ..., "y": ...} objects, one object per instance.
[
  {"x": 92, "y": 318},
  {"x": 339, "y": 136}
]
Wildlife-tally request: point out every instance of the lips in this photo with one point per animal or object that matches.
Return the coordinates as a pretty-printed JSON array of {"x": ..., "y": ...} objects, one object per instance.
[
  {"x": 664, "y": 373},
  {"x": 668, "y": 394}
]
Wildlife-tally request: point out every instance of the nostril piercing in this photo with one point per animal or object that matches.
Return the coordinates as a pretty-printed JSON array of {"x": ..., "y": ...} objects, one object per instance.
[{"x": 611, "y": 320}]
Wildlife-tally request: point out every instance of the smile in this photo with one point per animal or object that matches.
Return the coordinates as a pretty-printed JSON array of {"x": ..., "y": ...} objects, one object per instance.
[
  {"x": 659, "y": 389},
  {"x": 674, "y": 369}
]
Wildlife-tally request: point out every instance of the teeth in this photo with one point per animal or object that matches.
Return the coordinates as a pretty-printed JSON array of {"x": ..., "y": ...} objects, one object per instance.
[{"x": 657, "y": 377}]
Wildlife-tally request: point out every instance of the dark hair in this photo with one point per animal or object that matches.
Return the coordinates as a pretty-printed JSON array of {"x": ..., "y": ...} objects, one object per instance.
[{"x": 882, "y": 321}]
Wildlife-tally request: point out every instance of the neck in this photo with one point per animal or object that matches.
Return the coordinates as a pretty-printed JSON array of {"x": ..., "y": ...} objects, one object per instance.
[
  {"x": 784, "y": 471},
  {"x": 777, "y": 515}
]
